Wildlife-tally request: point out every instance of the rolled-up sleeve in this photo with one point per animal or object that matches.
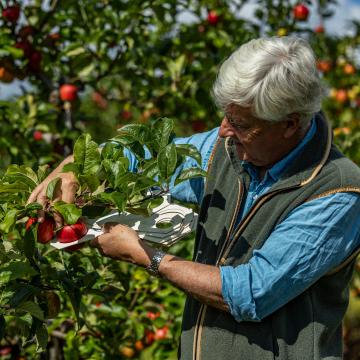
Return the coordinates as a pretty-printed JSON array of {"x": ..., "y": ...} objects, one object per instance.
[{"x": 314, "y": 238}]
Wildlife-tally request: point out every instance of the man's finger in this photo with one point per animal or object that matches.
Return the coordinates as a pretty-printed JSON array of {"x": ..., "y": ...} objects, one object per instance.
[
  {"x": 32, "y": 197},
  {"x": 108, "y": 226},
  {"x": 94, "y": 243}
]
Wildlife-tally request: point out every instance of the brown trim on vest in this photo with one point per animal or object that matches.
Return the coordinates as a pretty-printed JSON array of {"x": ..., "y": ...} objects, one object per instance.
[
  {"x": 198, "y": 333},
  {"x": 211, "y": 157},
  {"x": 325, "y": 157},
  {"x": 344, "y": 263},
  {"x": 334, "y": 191}
]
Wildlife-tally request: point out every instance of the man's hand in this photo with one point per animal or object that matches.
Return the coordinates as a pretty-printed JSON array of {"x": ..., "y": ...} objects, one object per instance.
[
  {"x": 120, "y": 242},
  {"x": 65, "y": 190}
]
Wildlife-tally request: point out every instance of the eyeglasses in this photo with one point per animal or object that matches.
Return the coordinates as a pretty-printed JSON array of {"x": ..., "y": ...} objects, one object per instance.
[{"x": 234, "y": 124}]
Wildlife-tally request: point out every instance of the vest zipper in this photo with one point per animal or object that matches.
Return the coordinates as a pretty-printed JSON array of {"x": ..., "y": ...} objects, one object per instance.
[{"x": 202, "y": 311}]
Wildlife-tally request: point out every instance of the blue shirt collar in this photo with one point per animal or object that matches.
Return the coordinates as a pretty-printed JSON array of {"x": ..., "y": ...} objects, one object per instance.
[{"x": 277, "y": 169}]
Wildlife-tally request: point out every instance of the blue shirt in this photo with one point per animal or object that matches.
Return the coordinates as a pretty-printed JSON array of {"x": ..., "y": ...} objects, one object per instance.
[{"x": 313, "y": 239}]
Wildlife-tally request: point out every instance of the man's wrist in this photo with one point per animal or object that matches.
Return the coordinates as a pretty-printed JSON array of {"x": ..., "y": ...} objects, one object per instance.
[{"x": 155, "y": 260}]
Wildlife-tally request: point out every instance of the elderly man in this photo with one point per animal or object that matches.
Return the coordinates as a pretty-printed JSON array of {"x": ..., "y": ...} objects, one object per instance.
[{"x": 279, "y": 224}]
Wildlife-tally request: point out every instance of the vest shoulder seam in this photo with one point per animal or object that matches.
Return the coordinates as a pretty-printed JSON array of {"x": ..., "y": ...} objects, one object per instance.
[{"x": 334, "y": 191}]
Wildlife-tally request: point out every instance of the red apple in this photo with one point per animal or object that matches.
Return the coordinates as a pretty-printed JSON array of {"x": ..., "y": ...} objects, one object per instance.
[
  {"x": 349, "y": 69},
  {"x": 25, "y": 46},
  {"x": 70, "y": 233},
  {"x": 324, "y": 65},
  {"x": 26, "y": 31},
  {"x": 152, "y": 316},
  {"x": 6, "y": 76},
  {"x": 319, "y": 29},
  {"x": 37, "y": 135},
  {"x": 161, "y": 333},
  {"x": 5, "y": 350},
  {"x": 68, "y": 92},
  {"x": 126, "y": 114},
  {"x": 213, "y": 17},
  {"x": 45, "y": 230},
  {"x": 301, "y": 12},
  {"x": 149, "y": 337},
  {"x": 30, "y": 222},
  {"x": 35, "y": 59},
  {"x": 139, "y": 345},
  {"x": 11, "y": 13},
  {"x": 99, "y": 100},
  {"x": 341, "y": 96}
]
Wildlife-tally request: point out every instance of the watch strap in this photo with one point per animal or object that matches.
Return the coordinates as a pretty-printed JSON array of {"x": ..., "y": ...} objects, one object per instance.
[{"x": 153, "y": 267}]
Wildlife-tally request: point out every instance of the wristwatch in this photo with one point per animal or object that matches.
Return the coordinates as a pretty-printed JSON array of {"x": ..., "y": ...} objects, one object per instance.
[{"x": 153, "y": 268}]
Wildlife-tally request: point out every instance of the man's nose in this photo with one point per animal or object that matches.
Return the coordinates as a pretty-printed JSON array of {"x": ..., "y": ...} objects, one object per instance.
[{"x": 226, "y": 129}]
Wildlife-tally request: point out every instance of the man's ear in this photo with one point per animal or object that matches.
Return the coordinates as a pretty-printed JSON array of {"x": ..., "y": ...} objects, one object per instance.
[{"x": 292, "y": 125}]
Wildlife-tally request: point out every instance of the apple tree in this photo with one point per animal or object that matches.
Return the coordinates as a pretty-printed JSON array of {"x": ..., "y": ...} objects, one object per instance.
[{"x": 97, "y": 67}]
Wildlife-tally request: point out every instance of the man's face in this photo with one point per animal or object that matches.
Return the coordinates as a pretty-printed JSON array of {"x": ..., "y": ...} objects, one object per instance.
[{"x": 259, "y": 142}]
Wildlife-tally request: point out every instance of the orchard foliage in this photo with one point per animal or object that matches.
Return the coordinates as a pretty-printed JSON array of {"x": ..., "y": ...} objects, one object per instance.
[{"x": 90, "y": 68}]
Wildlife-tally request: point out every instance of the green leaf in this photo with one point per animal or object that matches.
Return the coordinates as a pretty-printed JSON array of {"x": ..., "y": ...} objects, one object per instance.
[
  {"x": 69, "y": 212},
  {"x": 75, "y": 52},
  {"x": 162, "y": 130},
  {"x": 42, "y": 336},
  {"x": 16, "y": 187},
  {"x": 33, "y": 206},
  {"x": 189, "y": 174},
  {"x": 32, "y": 308},
  {"x": 189, "y": 150},
  {"x": 87, "y": 155},
  {"x": 29, "y": 242},
  {"x": 117, "y": 198},
  {"x": 91, "y": 180},
  {"x": 115, "y": 170},
  {"x": 42, "y": 172},
  {"x": 111, "y": 151},
  {"x": 86, "y": 71},
  {"x": 143, "y": 183},
  {"x": 19, "y": 270},
  {"x": 51, "y": 188},
  {"x": 71, "y": 167},
  {"x": 151, "y": 168},
  {"x": 136, "y": 132},
  {"x": 22, "y": 174},
  {"x": 5, "y": 277},
  {"x": 75, "y": 297},
  {"x": 167, "y": 161},
  {"x": 23, "y": 292},
  {"x": 9, "y": 221}
]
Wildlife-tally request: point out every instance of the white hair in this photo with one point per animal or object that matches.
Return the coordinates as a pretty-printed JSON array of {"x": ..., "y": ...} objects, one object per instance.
[{"x": 274, "y": 76}]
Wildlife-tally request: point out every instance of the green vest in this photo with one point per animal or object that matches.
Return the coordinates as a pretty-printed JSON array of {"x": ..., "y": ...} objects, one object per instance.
[{"x": 310, "y": 325}]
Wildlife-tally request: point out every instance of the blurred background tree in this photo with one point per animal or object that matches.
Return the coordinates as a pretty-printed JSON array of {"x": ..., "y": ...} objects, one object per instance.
[{"x": 96, "y": 65}]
